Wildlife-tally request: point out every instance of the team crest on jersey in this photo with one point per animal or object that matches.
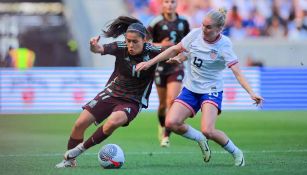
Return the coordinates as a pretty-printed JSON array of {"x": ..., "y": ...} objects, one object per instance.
[
  {"x": 180, "y": 26},
  {"x": 128, "y": 110},
  {"x": 164, "y": 27},
  {"x": 213, "y": 54},
  {"x": 146, "y": 58}
]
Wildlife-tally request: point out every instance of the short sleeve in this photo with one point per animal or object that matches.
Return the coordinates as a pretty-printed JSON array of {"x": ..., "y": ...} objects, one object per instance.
[
  {"x": 115, "y": 48},
  {"x": 187, "y": 28},
  {"x": 187, "y": 40},
  {"x": 154, "y": 50},
  {"x": 229, "y": 56}
]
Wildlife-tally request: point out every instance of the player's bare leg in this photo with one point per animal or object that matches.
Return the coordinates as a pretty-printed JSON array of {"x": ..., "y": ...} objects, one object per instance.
[
  {"x": 209, "y": 117},
  {"x": 173, "y": 89},
  {"x": 161, "y": 114},
  {"x": 176, "y": 116},
  {"x": 82, "y": 123},
  {"x": 115, "y": 120}
]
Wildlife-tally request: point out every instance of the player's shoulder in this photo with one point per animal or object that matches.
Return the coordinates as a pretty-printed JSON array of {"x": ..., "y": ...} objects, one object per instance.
[
  {"x": 226, "y": 40},
  {"x": 182, "y": 18},
  {"x": 156, "y": 20},
  {"x": 152, "y": 48},
  {"x": 195, "y": 32},
  {"x": 120, "y": 44}
]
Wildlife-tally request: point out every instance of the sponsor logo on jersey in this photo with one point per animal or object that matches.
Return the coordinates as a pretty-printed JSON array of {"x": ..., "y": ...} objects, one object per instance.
[
  {"x": 128, "y": 110},
  {"x": 213, "y": 88},
  {"x": 213, "y": 54},
  {"x": 146, "y": 58},
  {"x": 180, "y": 26},
  {"x": 164, "y": 27}
]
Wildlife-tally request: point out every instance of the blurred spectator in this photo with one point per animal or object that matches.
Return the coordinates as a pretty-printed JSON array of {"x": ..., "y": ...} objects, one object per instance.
[
  {"x": 237, "y": 31},
  {"x": 276, "y": 26},
  {"x": 22, "y": 58},
  {"x": 297, "y": 28},
  {"x": 254, "y": 24},
  {"x": 246, "y": 18},
  {"x": 233, "y": 21},
  {"x": 155, "y": 6},
  {"x": 8, "y": 59},
  {"x": 227, "y": 4},
  {"x": 304, "y": 22},
  {"x": 285, "y": 8},
  {"x": 140, "y": 9}
]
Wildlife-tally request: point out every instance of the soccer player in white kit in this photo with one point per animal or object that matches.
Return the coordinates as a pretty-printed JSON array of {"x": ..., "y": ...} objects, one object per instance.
[{"x": 208, "y": 53}]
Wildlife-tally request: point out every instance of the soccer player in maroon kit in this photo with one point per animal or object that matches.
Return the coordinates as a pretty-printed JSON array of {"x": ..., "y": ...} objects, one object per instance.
[
  {"x": 126, "y": 92},
  {"x": 167, "y": 30}
]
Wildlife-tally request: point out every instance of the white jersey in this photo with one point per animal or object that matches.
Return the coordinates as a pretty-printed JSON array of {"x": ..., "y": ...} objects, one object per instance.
[{"x": 206, "y": 61}]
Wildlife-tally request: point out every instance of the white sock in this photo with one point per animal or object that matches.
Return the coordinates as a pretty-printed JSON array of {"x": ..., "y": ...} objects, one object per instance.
[
  {"x": 193, "y": 134},
  {"x": 231, "y": 147}
]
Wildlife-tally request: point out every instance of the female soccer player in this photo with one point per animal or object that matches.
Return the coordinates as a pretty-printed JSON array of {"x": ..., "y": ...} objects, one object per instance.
[
  {"x": 167, "y": 30},
  {"x": 208, "y": 53},
  {"x": 126, "y": 92}
]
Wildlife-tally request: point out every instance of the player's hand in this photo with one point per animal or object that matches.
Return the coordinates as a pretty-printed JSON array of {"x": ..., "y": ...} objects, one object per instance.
[
  {"x": 166, "y": 42},
  {"x": 258, "y": 99},
  {"x": 174, "y": 60},
  {"x": 177, "y": 59},
  {"x": 94, "y": 46},
  {"x": 142, "y": 66}
]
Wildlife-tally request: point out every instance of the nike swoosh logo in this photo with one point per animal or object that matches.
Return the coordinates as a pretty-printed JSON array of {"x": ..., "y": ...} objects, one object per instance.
[{"x": 116, "y": 164}]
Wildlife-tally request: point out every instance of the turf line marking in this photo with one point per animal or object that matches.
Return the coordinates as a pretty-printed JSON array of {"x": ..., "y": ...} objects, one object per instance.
[{"x": 152, "y": 153}]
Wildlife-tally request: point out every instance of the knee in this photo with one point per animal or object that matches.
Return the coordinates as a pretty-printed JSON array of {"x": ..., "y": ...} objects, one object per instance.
[
  {"x": 171, "y": 125},
  {"x": 209, "y": 133},
  {"x": 111, "y": 125}
]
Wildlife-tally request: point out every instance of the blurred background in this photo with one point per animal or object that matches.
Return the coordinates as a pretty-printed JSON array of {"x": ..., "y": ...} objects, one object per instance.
[{"x": 46, "y": 65}]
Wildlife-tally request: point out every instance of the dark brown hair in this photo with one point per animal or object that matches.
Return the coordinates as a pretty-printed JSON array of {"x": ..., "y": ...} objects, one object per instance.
[{"x": 120, "y": 25}]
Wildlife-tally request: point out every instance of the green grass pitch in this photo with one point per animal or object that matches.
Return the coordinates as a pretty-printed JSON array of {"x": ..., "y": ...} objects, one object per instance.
[{"x": 273, "y": 143}]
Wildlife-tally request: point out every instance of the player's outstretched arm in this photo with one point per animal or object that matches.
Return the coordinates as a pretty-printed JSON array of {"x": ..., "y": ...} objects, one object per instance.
[
  {"x": 94, "y": 45},
  {"x": 177, "y": 59},
  {"x": 168, "y": 53},
  {"x": 243, "y": 82}
]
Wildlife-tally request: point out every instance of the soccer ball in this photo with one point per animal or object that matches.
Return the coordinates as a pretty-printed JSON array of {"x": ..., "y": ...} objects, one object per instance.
[{"x": 111, "y": 156}]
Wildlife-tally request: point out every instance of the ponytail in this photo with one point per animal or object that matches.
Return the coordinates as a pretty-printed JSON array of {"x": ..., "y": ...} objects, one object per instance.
[{"x": 119, "y": 26}]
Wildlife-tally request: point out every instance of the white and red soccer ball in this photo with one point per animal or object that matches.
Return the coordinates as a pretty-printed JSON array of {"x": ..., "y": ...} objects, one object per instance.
[{"x": 111, "y": 156}]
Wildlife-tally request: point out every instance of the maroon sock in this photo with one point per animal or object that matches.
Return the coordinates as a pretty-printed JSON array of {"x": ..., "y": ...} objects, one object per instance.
[
  {"x": 73, "y": 143},
  {"x": 96, "y": 138},
  {"x": 167, "y": 132},
  {"x": 161, "y": 120}
]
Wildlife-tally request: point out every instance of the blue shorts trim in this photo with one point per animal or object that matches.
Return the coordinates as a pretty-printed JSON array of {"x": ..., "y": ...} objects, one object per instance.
[{"x": 194, "y": 101}]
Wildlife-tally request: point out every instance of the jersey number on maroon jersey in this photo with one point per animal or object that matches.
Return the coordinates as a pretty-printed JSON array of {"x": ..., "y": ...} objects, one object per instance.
[
  {"x": 135, "y": 73},
  {"x": 173, "y": 36}
]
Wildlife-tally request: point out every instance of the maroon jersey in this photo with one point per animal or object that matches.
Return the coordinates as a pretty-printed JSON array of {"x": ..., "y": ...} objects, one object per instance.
[
  {"x": 160, "y": 29},
  {"x": 125, "y": 82}
]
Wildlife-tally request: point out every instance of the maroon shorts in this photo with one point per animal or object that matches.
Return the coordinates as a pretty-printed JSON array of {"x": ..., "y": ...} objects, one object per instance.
[
  {"x": 161, "y": 80},
  {"x": 103, "y": 105}
]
